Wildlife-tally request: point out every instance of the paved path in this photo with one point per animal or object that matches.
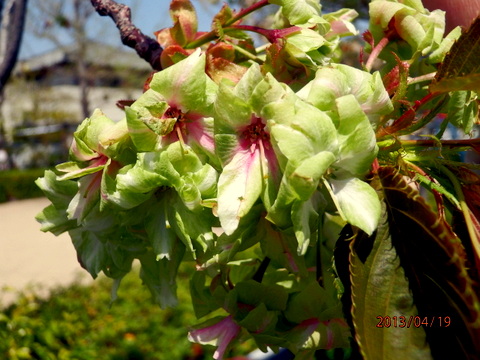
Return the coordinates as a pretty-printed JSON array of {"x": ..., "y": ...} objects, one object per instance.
[{"x": 29, "y": 256}]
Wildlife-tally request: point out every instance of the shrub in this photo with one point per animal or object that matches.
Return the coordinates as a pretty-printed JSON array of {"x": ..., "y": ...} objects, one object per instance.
[
  {"x": 19, "y": 184},
  {"x": 80, "y": 322}
]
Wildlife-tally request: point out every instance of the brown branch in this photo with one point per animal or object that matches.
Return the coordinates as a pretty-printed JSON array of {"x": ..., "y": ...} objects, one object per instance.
[
  {"x": 447, "y": 143},
  {"x": 12, "y": 19},
  {"x": 146, "y": 47}
]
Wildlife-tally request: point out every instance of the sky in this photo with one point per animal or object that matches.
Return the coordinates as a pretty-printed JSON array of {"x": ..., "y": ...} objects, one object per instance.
[{"x": 148, "y": 15}]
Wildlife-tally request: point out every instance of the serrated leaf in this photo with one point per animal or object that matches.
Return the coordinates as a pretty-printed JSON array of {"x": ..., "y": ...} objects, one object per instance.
[
  {"x": 379, "y": 288},
  {"x": 460, "y": 70},
  {"x": 434, "y": 261},
  {"x": 462, "y": 112},
  {"x": 159, "y": 276}
]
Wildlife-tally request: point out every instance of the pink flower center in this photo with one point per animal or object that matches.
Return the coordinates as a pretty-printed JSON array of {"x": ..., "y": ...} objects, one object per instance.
[
  {"x": 255, "y": 133},
  {"x": 180, "y": 127},
  {"x": 173, "y": 112}
]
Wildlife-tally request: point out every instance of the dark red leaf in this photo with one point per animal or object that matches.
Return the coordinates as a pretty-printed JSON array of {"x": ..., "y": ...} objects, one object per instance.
[{"x": 435, "y": 264}]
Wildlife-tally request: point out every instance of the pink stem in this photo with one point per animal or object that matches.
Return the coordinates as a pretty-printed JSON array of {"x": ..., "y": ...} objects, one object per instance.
[{"x": 375, "y": 52}]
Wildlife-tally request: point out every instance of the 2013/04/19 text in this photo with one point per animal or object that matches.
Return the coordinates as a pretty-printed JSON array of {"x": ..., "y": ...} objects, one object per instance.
[{"x": 416, "y": 321}]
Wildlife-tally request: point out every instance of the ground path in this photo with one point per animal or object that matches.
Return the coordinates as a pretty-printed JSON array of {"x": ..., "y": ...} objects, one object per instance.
[{"x": 29, "y": 256}]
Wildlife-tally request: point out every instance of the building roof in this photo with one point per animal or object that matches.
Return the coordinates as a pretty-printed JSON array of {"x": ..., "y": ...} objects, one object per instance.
[{"x": 97, "y": 54}]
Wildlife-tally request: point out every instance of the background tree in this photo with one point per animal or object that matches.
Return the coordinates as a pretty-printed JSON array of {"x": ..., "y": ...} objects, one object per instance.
[
  {"x": 46, "y": 18},
  {"x": 12, "y": 17},
  {"x": 12, "y": 25}
]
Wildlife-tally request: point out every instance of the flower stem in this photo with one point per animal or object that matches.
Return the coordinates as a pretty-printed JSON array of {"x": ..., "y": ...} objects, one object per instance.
[
  {"x": 407, "y": 117},
  {"x": 421, "y": 78},
  {"x": 247, "y": 11},
  {"x": 271, "y": 34},
  {"x": 246, "y": 53},
  {"x": 375, "y": 52},
  {"x": 212, "y": 35}
]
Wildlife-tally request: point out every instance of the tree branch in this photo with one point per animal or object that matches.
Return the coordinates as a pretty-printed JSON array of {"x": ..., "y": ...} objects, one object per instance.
[
  {"x": 146, "y": 47},
  {"x": 12, "y": 22}
]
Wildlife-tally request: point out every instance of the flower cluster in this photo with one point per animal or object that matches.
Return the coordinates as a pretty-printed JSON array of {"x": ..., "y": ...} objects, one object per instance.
[{"x": 237, "y": 165}]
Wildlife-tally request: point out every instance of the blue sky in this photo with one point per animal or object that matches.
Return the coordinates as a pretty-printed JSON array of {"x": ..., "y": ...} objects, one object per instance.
[{"x": 148, "y": 15}]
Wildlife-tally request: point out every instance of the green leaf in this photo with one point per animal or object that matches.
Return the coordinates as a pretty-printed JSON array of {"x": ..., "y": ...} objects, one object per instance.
[
  {"x": 194, "y": 228},
  {"x": 462, "y": 110},
  {"x": 259, "y": 320},
  {"x": 94, "y": 250},
  {"x": 202, "y": 299},
  {"x": 159, "y": 230},
  {"x": 282, "y": 248},
  {"x": 467, "y": 82},
  {"x": 307, "y": 304},
  {"x": 460, "y": 68},
  {"x": 73, "y": 170},
  {"x": 250, "y": 292},
  {"x": 304, "y": 218},
  {"x": 313, "y": 334},
  {"x": 183, "y": 14},
  {"x": 380, "y": 290},
  {"x": 306, "y": 40},
  {"x": 225, "y": 14},
  {"x": 55, "y": 220},
  {"x": 160, "y": 275}
]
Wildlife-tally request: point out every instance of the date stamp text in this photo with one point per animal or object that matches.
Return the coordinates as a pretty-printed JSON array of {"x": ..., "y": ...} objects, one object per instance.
[{"x": 412, "y": 321}]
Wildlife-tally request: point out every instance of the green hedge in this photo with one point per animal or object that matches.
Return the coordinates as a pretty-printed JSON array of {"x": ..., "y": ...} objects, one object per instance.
[
  {"x": 78, "y": 322},
  {"x": 19, "y": 184}
]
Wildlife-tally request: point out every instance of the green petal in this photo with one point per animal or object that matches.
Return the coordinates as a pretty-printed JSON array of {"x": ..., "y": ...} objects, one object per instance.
[
  {"x": 239, "y": 187},
  {"x": 358, "y": 203}
]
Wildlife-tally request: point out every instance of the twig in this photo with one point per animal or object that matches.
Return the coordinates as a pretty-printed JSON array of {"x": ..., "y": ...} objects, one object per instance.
[
  {"x": 258, "y": 276},
  {"x": 146, "y": 47},
  {"x": 445, "y": 143}
]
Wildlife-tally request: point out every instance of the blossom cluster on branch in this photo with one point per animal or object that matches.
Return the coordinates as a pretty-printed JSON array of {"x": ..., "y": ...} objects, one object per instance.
[{"x": 247, "y": 162}]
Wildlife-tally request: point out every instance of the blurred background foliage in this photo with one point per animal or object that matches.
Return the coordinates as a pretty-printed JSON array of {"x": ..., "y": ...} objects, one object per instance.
[
  {"x": 80, "y": 322},
  {"x": 19, "y": 184}
]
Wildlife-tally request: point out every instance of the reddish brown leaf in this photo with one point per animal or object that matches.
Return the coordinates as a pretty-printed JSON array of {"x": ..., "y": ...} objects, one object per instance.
[
  {"x": 435, "y": 264},
  {"x": 460, "y": 70}
]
